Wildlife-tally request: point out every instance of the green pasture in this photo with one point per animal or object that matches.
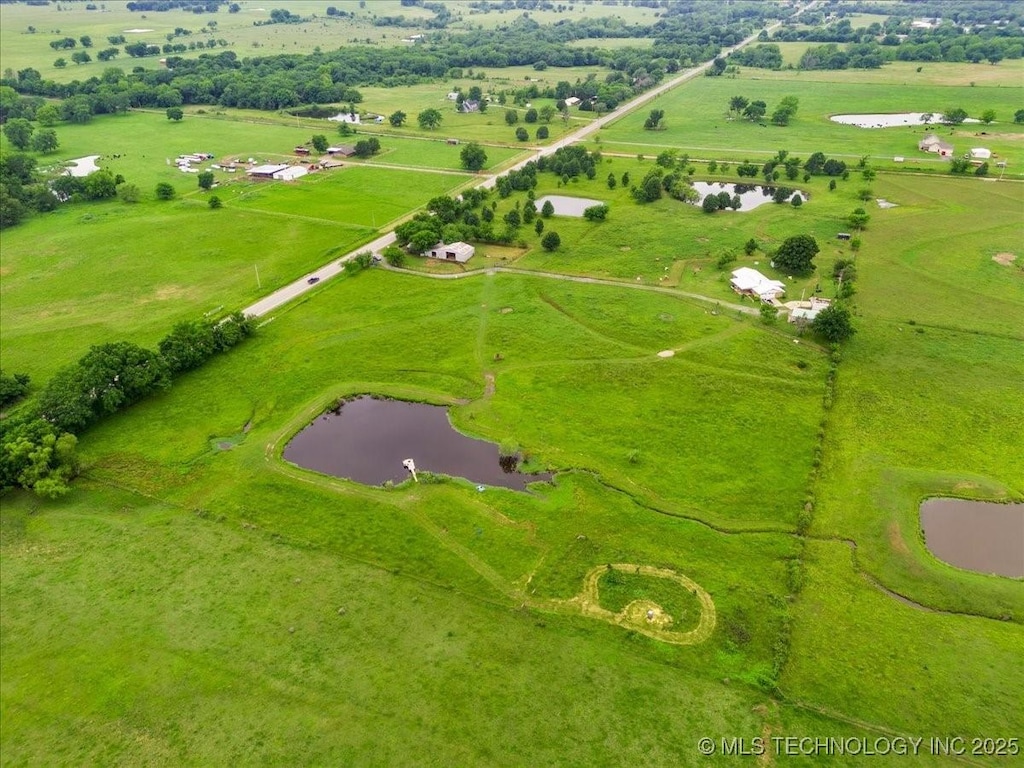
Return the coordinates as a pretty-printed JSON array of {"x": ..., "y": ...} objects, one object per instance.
[
  {"x": 93, "y": 273},
  {"x": 23, "y": 49},
  {"x": 857, "y": 651},
  {"x": 192, "y": 605},
  {"x": 352, "y": 196},
  {"x": 697, "y": 120}
]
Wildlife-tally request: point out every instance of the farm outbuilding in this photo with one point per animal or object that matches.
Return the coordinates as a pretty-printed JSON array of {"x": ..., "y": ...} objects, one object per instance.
[
  {"x": 291, "y": 173},
  {"x": 980, "y": 153},
  {"x": 345, "y": 150},
  {"x": 458, "y": 251},
  {"x": 932, "y": 143},
  {"x": 265, "y": 171}
]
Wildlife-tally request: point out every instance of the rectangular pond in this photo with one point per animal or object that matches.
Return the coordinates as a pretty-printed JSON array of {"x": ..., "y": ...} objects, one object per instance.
[
  {"x": 567, "y": 206},
  {"x": 367, "y": 440}
]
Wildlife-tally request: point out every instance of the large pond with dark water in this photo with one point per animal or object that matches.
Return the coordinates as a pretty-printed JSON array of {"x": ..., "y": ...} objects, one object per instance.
[
  {"x": 976, "y": 535},
  {"x": 751, "y": 195},
  {"x": 367, "y": 440}
]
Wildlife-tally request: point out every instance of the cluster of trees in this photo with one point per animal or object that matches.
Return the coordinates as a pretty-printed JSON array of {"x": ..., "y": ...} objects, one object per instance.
[
  {"x": 23, "y": 190},
  {"x": 194, "y": 6},
  {"x": 12, "y": 388},
  {"x": 23, "y": 135},
  {"x": 656, "y": 182},
  {"x": 755, "y": 110},
  {"x": 570, "y": 162},
  {"x": 762, "y": 56},
  {"x": 451, "y": 220},
  {"x": 37, "y": 443}
]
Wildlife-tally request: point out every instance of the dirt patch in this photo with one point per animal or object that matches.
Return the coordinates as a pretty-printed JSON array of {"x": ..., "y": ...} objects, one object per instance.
[
  {"x": 896, "y": 539},
  {"x": 506, "y": 310},
  {"x": 168, "y": 292},
  {"x": 625, "y": 248},
  {"x": 1005, "y": 258},
  {"x": 667, "y": 353}
]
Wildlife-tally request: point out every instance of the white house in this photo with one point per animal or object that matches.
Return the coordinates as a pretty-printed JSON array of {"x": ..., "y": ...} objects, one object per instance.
[
  {"x": 932, "y": 143},
  {"x": 291, "y": 173},
  {"x": 980, "y": 153},
  {"x": 750, "y": 282},
  {"x": 572, "y": 101},
  {"x": 460, "y": 252},
  {"x": 345, "y": 117}
]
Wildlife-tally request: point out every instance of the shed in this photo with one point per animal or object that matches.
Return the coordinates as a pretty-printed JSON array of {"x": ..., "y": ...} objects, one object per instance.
[
  {"x": 291, "y": 173},
  {"x": 345, "y": 150},
  {"x": 452, "y": 96},
  {"x": 980, "y": 153},
  {"x": 459, "y": 251},
  {"x": 302, "y": 150},
  {"x": 932, "y": 143},
  {"x": 572, "y": 101},
  {"x": 265, "y": 171}
]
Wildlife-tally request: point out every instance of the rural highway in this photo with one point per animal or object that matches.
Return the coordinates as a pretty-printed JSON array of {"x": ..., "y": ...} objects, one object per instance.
[{"x": 293, "y": 290}]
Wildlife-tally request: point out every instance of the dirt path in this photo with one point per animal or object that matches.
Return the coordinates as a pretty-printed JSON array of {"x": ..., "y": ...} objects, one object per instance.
[{"x": 581, "y": 279}]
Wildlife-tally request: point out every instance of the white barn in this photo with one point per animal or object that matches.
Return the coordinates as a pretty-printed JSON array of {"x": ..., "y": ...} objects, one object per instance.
[
  {"x": 291, "y": 173},
  {"x": 459, "y": 251},
  {"x": 980, "y": 153}
]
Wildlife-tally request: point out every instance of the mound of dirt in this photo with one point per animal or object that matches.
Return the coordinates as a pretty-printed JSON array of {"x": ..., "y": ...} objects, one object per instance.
[{"x": 1005, "y": 258}]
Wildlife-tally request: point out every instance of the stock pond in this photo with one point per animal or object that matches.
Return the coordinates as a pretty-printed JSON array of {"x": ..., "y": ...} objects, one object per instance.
[
  {"x": 751, "y": 195},
  {"x": 565, "y": 205},
  {"x": 976, "y": 535},
  {"x": 367, "y": 440},
  {"x": 893, "y": 120}
]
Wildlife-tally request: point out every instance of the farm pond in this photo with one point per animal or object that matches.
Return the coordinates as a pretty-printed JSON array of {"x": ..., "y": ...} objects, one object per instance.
[
  {"x": 894, "y": 119},
  {"x": 367, "y": 439},
  {"x": 565, "y": 205},
  {"x": 751, "y": 195},
  {"x": 976, "y": 535}
]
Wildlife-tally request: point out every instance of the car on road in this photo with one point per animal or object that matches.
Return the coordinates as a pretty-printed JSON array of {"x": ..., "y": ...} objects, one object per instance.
[{"x": 313, "y": 280}]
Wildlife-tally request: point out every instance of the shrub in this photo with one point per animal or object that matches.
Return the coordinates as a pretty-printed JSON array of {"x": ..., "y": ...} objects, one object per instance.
[{"x": 551, "y": 241}]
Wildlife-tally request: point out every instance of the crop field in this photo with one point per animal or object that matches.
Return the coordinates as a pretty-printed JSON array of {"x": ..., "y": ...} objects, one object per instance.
[
  {"x": 697, "y": 120},
  {"x": 196, "y": 599}
]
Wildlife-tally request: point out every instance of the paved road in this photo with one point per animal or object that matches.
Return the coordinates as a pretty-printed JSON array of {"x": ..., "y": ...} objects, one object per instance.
[{"x": 293, "y": 290}]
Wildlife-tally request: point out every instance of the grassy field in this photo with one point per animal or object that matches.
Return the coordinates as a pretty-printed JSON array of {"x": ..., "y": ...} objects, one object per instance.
[
  {"x": 696, "y": 117},
  {"x": 188, "y": 604},
  {"x": 23, "y": 49}
]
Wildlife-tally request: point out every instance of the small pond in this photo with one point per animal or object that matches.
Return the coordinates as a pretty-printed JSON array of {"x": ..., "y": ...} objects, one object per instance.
[
  {"x": 566, "y": 206},
  {"x": 892, "y": 120},
  {"x": 976, "y": 535},
  {"x": 367, "y": 440},
  {"x": 751, "y": 195}
]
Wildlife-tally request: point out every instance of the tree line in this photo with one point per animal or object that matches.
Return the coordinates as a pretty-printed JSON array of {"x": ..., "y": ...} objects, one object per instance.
[
  {"x": 289, "y": 80},
  {"x": 37, "y": 443}
]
